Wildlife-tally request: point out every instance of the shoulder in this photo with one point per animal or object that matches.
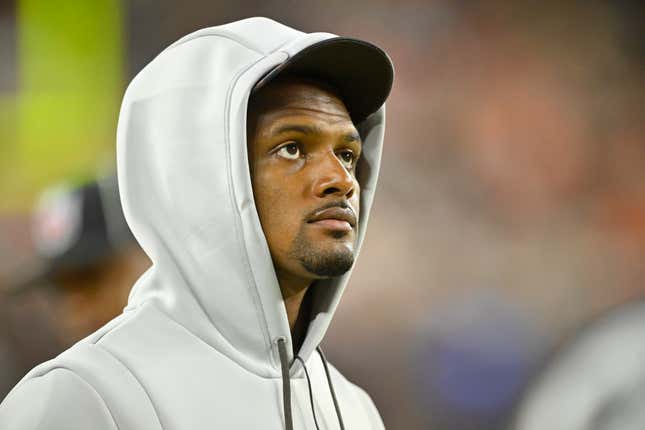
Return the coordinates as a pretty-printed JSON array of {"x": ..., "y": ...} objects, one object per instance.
[
  {"x": 89, "y": 379},
  {"x": 59, "y": 399}
]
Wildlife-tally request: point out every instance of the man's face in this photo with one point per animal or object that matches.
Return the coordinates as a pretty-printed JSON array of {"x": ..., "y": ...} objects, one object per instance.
[{"x": 303, "y": 149}]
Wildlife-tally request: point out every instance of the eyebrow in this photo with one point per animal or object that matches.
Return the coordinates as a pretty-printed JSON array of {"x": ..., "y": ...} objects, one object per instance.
[
  {"x": 314, "y": 130},
  {"x": 304, "y": 129}
]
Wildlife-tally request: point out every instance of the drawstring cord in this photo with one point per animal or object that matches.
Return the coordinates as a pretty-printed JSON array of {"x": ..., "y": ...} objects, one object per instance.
[
  {"x": 311, "y": 396},
  {"x": 286, "y": 386},
  {"x": 331, "y": 388}
]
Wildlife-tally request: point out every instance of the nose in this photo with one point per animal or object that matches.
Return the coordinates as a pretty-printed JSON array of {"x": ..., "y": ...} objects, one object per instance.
[{"x": 333, "y": 178}]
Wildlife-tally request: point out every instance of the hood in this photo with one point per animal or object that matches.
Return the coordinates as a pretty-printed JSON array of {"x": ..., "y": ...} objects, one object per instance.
[{"x": 187, "y": 197}]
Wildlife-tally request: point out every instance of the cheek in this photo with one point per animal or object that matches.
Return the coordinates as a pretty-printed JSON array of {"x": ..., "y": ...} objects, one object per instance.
[{"x": 277, "y": 210}]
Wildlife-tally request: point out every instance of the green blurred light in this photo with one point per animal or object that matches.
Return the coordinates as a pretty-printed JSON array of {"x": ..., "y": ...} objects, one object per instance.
[{"x": 70, "y": 82}]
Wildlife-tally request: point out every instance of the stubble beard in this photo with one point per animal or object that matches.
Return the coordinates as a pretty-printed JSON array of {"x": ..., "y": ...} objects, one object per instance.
[{"x": 321, "y": 262}]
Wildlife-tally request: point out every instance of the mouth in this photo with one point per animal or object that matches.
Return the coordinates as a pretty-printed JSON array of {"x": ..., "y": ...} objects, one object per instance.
[{"x": 335, "y": 218}]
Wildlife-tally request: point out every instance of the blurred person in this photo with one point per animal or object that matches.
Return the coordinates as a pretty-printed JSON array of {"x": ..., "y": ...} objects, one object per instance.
[
  {"x": 471, "y": 359},
  {"x": 27, "y": 335},
  {"x": 245, "y": 152},
  {"x": 595, "y": 381},
  {"x": 84, "y": 261}
]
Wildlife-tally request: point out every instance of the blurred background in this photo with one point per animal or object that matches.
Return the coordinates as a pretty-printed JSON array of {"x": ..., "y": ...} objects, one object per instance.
[{"x": 510, "y": 213}]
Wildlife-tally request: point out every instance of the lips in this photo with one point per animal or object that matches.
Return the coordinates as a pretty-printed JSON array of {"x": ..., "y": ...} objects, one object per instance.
[{"x": 335, "y": 218}]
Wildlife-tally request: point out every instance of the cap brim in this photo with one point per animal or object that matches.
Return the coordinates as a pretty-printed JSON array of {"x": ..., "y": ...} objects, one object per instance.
[{"x": 362, "y": 72}]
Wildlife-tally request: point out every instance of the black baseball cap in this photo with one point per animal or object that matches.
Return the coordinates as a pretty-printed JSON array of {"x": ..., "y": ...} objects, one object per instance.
[
  {"x": 73, "y": 228},
  {"x": 362, "y": 72}
]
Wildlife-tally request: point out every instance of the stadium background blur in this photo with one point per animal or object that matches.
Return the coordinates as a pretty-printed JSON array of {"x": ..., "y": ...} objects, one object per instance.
[{"x": 511, "y": 203}]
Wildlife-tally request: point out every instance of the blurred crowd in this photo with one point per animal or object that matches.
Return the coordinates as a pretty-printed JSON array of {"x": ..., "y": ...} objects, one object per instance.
[{"x": 510, "y": 210}]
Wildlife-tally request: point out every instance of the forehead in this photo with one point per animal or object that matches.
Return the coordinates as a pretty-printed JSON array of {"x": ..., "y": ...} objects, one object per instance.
[{"x": 298, "y": 99}]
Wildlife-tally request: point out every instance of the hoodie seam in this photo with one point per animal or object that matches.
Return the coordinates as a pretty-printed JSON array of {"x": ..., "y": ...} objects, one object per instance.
[
  {"x": 103, "y": 402},
  {"x": 245, "y": 44},
  {"x": 122, "y": 363},
  {"x": 116, "y": 326},
  {"x": 257, "y": 301}
]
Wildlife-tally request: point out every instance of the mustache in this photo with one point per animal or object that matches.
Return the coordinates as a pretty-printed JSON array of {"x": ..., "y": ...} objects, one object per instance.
[{"x": 338, "y": 204}]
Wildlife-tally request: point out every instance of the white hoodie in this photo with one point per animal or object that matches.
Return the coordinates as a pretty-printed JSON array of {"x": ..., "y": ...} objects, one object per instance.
[{"x": 204, "y": 337}]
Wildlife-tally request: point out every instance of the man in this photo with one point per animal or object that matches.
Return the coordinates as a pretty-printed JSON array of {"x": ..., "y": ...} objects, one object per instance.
[
  {"x": 82, "y": 247},
  {"x": 222, "y": 331},
  {"x": 303, "y": 149},
  {"x": 83, "y": 262}
]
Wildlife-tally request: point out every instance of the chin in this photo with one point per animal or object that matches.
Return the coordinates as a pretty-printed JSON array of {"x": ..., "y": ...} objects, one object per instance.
[
  {"x": 326, "y": 263},
  {"x": 324, "y": 254}
]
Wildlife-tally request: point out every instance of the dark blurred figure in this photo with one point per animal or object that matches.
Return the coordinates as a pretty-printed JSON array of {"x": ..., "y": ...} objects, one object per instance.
[
  {"x": 594, "y": 382},
  {"x": 85, "y": 263},
  {"x": 26, "y": 336},
  {"x": 472, "y": 360}
]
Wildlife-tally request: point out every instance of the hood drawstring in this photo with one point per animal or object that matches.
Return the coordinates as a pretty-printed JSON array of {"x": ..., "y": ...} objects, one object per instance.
[
  {"x": 331, "y": 388},
  {"x": 311, "y": 395},
  {"x": 286, "y": 386}
]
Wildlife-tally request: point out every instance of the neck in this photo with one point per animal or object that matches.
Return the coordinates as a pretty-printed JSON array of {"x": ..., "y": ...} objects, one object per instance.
[{"x": 294, "y": 293}]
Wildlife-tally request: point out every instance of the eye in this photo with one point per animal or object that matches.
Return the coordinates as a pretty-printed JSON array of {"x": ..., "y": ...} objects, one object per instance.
[
  {"x": 290, "y": 151},
  {"x": 347, "y": 157}
]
